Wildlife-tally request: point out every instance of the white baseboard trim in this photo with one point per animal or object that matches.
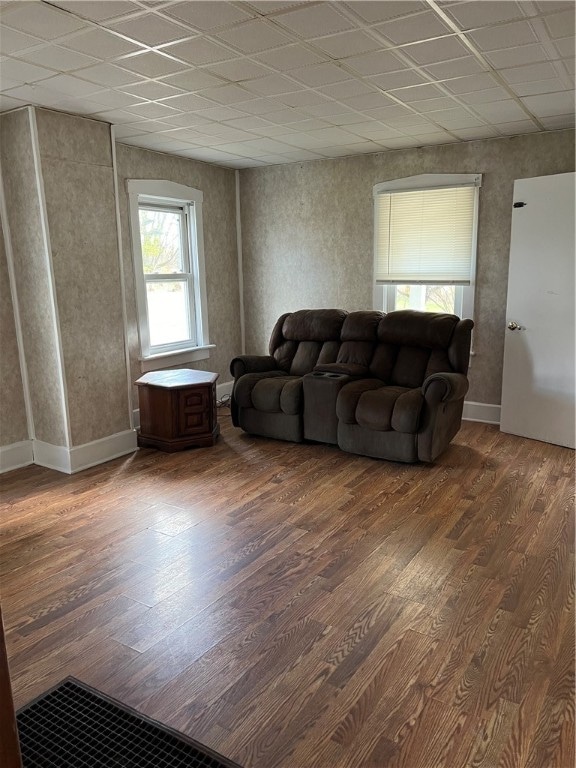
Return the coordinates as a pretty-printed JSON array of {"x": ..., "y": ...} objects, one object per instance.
[
  {"x": 484, "y": 412},
  {"x": 71, "y": 460},
  {"x": 224, "y": 389},
  {"x": 16, "y": 455},
  {"x": 51, "y": 456}
]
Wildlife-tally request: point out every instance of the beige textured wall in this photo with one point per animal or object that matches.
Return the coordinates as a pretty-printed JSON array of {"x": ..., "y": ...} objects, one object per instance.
[
  {"x": 219, "y": 216},
  {"x": 33, "y": 280},
  {"x": 307, "y": 233},
  {"x": 76, "y": 161},
  {"x": 13, "y": 427}
]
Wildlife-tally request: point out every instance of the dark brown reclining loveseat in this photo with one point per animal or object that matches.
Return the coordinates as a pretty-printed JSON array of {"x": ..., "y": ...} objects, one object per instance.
[{"x": 390, "y": 385}]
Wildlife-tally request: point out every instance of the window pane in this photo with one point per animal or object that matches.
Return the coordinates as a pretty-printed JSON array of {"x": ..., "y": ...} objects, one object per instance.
[
  {"x": 168, "y": 313},
  {"x": 426, "y": 298},
  {"x": 160, "y": 236}
]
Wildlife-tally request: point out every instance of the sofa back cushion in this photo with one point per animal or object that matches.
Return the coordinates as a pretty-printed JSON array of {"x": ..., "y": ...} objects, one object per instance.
[
  {"x": 413, "y": 345},
  {"x": 300, "y": 340},
  {"x": 359, "y": 336}
]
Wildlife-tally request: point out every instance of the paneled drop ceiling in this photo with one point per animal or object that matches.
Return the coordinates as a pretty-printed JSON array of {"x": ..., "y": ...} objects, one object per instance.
[{"x": 245, "y": 84}]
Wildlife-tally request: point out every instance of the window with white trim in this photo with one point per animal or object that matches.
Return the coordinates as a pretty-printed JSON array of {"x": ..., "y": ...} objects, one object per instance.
[
  {"x": 425, "y": 232},
  {"x": 168, "y": 251}
]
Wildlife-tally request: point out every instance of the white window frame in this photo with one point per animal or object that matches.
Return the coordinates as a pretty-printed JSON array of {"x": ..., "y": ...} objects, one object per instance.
[
  {"x": 385, "y": 294},
  {"x": 173, "y": 196}
]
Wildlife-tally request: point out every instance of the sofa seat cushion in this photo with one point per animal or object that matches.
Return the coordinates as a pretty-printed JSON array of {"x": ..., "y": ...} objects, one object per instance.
[
  {"x": 280, "y": 394},
  {"x": 390, "y": 408},
  {"x": 349, "y": 397}
]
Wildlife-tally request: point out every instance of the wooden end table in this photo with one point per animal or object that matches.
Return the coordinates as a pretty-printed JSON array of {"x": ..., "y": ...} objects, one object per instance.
[{"x": 177, "y": 409}]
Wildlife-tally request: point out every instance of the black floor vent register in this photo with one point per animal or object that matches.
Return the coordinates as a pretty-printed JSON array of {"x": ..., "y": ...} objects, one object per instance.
[{"x": 74, "y": 726}]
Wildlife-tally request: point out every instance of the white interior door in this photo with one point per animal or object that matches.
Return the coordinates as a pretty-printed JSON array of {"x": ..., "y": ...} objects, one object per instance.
[{"x": 538, "y": 384}]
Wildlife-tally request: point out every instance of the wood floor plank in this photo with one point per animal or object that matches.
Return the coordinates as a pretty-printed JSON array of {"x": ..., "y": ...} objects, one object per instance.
[{"x": 294, "y": 606}]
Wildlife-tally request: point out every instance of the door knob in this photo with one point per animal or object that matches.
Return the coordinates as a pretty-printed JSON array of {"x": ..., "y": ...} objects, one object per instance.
[{"x": 513, "y": 326}]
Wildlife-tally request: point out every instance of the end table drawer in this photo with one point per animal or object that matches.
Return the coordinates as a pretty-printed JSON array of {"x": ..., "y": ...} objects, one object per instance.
[{"x": 193, "y": 401}]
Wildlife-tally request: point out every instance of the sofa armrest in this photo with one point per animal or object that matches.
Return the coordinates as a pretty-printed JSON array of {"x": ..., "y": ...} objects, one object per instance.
[
  {"x": 445, "y": 387},
  {"x": 252, "y": 364}
]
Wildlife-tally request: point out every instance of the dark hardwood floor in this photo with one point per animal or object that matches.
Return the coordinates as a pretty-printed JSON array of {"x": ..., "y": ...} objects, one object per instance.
[{"x": 296, "y": 606}]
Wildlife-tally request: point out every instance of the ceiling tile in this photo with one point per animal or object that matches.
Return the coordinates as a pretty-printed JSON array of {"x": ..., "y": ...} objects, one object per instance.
[
  {"x": 417, "y": 92},
  {"x": 290, "y": 57},
  {"x": 151, "y": 89},
  {"x": 219, "y": 113},
  {"x": 479, "y": 82},
  {"x": 302, "y": 98},
  {"x": 303, "y": 141},
  {"x": 314, "y": 20},
  {"x": 70, "y": 86},
  {"x": 483, "y": 97},
  {"x": 200, "y": 51},
  {"x": 518, "y": 55},
  {"x": 22, "y": 72},
  {"x": 252, "y": 123},
  {"x": 432, "y": 105},
  {"x": 227, "y": 94},
  {"x": 347, "y": 118},
  {"x": 286, "y": 116},
  {"x": 501, "y": 111},
  {"x": 151, "y": 64},
  {"x": 188, "y": 102},
  {"x": 208, "y": 15},
  {"x": 367, "y": 101},
  {"x": 505, "y": 36},
  {"x": 420, "y": 26},
  {"x": 62, "y": 59},
  {"x": 100, "y": 43},
  {"x": 151, "y": 29},
  {"x": 192, "y": 80},
  {"x": 375, "y": 63},
  {"x": 374, "y": 130},
  {"x": 326, "y": 109},
  {"x": 466, "y": 65},
  {"x": 117, "y": 99},
  {"x": 454, "y": 118},
  {"x": 253, "y": 36},
  {"x": 475, "y": 134},
  {"x": 13, "y": 42},
  {"x": 347, "y": 44},
  {"x": 552, "y": 85},
  {"x": 529, "y": 73},
  {"x": 386, "y": 113},
  {"x": 239, "y": 69},
  {"x": 436, "y": 50},
  {"x": 550, "y": 104},
  {"x": 373, "y": 12},
  {"x": 108, "y": 74},
  {"x": 484, "y": 13},
  {"x": 346, "y": 89},
  {"x": 99, "y": 11},
  {"x": 517, "y": 127},
  {"x": 272, "y": 85},
  {"x": 150, "y": 109},
  {"x": 558, "y": 121},
  {"x": 321, "y": 74},
  {"x": 397, "y": 79},
  {"x": 260, "y": 107},
  {"x": 301, "y": 155},
  {"x": 7, "y": 103},
  {"x": 561, "y": 24},
  {"x": 42, "y": 21},
  {"x": 565, "y": 47}
]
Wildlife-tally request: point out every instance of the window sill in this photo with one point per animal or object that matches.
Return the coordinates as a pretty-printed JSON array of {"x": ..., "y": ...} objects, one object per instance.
[{"x": 168, "y": 359}]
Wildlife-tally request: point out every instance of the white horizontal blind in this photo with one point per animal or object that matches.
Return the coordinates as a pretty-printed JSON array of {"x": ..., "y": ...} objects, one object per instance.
[{"x": 425, "y": 235}]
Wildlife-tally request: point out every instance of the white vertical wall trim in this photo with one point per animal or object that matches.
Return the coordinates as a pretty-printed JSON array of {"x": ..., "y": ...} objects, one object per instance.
[
  {"x": 240, "y": 264},
  {"x": 16, "y": 310},
  {"x": 50, "y": 266},
  {"x": 122, "y": 278}
]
